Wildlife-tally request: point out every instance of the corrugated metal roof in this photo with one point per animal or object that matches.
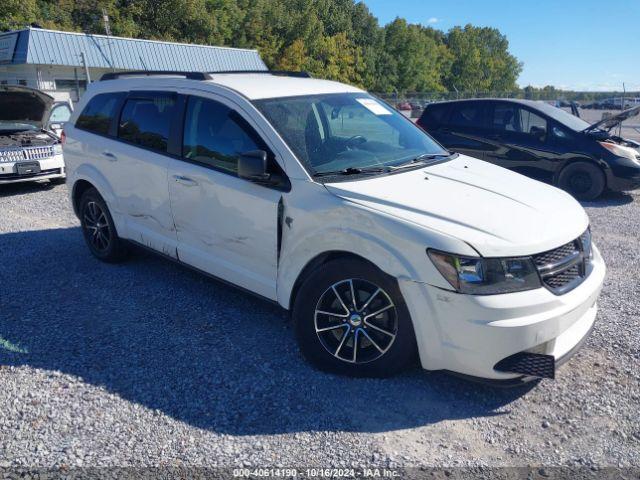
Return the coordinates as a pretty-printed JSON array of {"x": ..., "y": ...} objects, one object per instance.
[{"x": 50, "y": 47}]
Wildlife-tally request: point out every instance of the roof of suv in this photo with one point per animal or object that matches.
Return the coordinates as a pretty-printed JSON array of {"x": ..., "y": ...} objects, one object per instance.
[
  {"x": 252, "y": 85},
  {"x": 256, "y": 86}
]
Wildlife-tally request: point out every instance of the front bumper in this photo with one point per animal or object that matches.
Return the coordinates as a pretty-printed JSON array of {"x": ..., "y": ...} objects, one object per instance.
[
  {"x": 52, "y": 167},
  {"x": 470, "y": 334},
  {"x": 623, "y": 175}
]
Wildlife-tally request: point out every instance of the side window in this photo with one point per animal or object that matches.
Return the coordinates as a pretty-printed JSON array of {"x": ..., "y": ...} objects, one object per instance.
[
  {"x": 146, "y": 121},
  {"x": 505, "y": 118},
  {"x": 60, "y": 114},
  {"x": 99, "y": 112},
  {"x": 215, "y": 135},
  {"x": 466, "y": 115},
  {"x": 433, "y": 116},
  {"x": 532, "y": 123}
]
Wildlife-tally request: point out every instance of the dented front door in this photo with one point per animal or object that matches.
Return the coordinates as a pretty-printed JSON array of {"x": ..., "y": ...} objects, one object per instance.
[{"x": 226, "y": 226}]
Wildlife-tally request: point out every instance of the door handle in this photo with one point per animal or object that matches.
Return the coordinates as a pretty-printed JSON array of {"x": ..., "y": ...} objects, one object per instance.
[
  {"x": 109, "y": 156},
  {"x": 186, "y": 181}
]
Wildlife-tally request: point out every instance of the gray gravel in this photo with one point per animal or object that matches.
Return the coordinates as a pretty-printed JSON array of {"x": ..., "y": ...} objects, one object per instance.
[{"x": 149, "y": 364}]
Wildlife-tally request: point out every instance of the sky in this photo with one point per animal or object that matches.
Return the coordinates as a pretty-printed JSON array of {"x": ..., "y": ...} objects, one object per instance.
[{"x": 570, "y": 44}]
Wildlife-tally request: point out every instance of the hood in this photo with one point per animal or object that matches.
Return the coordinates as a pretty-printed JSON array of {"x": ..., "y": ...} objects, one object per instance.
[
  {"x": 24, "y": 105},
  {"x": 614, "y": 120},
  {"x": 498, "y": 212}
]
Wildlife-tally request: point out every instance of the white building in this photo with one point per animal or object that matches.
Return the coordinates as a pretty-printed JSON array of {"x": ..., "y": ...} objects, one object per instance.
[{"x": 55, "y": 61}]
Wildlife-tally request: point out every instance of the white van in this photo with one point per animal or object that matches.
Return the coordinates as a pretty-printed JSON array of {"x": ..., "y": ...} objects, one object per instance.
[{"x": 316, "y": 195}]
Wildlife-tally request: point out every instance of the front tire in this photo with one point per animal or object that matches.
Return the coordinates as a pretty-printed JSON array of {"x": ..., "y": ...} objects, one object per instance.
[
  {"x": 350, "y": 318},
  {"x": 585, "y": 181},
  {"x": 99, "y": 230}
]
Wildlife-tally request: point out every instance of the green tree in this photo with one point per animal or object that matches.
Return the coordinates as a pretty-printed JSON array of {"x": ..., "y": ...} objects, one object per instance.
[
  {"x": 16, "y": 14},
  {"x": 415, "y": 59},
  {"x": 481, "y": 61}
]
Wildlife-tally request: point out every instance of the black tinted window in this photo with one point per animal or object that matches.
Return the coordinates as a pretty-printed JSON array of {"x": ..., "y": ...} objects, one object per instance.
[
  {"x": 99, "y": 112},
  {"x": 433, "y": 115},
  {"x": 216, "y": 135},
  {"x": 147, "y": 121},
  {"x": 505, "y": 118},
  {"x": 532, "y": 123},
  {"x": 466, "y": 115}
]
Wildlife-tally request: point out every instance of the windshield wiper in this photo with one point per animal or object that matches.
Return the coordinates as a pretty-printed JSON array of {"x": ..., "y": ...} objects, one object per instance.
[
  {"x": 421, "y": 159},
  {"x": 353, "y": 171}
]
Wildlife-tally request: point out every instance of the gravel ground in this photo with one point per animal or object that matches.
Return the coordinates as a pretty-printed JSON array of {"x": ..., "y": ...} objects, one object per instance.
[{"x": 149, "y": 364}]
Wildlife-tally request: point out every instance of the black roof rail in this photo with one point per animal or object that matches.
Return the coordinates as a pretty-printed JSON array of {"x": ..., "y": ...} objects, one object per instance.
[
  {"x": 200, "y": 75},
  {"x": 280, "y": 73},
  {"x": 144, "y": 73}
]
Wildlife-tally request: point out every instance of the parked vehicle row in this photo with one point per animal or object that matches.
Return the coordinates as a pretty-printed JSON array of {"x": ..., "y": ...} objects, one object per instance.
[
  {"x": 30, "y": 127},
  {"x": 540, "y": 141},
  {"x": 616, "y": 103},
  {"x": 384, "y": 245}
]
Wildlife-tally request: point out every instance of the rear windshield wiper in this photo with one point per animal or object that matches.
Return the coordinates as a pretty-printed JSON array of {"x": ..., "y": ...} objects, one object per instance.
[
  {"x": 353, "y": 171},
  {"x": 421, "y": 159}
]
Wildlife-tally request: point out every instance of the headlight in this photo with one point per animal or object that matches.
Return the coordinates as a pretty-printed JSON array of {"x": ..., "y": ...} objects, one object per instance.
[
  {"x": 486, "y": 276},
  {"x": 57, "y": 149},
  {"x": 585, "y": 238},
  {"x": 622, "y": 151}
]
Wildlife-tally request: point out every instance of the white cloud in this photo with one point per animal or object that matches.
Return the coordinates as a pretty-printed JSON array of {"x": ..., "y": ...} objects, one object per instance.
[{"x": 433, "y": 20}]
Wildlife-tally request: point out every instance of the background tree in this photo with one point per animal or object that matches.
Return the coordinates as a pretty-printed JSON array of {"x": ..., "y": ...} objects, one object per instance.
[
  {"x": 336, "y": 39},
  {"x": 481, "y": 61}
]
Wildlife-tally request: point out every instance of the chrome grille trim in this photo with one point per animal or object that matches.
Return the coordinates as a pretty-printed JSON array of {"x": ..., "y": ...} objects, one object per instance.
[
  {"x": 26, "y": 154},
  {"x": 564, "y": 268}
]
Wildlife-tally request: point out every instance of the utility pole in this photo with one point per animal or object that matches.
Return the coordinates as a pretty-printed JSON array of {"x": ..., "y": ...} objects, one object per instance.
[
  {"x": 107, "y": 29},
  {"x": 86, "y": 69}
]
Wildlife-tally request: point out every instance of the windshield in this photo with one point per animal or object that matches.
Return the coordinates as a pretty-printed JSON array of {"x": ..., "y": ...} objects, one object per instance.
[
  {"x": 345, "y": 131},
  {"x": 562, "y": 116},
  {"x": 15, "y": 126}
]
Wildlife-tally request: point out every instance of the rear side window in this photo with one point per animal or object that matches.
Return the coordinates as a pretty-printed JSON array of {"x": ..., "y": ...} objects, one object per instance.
[
  {"x": 466, "y": 115},
  {"x": 433, "y": 115},
  {"x": 146, "y": 121},
  {"x": 505, "y": 118},
  {"x": 532, "y": 123},
  {"x": 99, "y": 112},
  {"x": 215, "y": 135}
]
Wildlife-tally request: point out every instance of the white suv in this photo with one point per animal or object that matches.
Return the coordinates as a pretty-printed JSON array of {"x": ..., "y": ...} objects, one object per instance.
[{"x": 318, "y": 196}]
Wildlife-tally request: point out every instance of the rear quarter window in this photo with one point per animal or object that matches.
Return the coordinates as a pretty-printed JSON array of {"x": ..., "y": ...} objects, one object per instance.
[
  {"x": 99, "y": 113},
  {"x": 434, "y": 115},
  {"x": 147, "y": 121},
  {"x": 467, "y": 114}
]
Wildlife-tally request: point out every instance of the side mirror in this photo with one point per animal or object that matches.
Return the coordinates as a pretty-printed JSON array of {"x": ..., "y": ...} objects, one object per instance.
[
  {"x": 252, "y": 166},
  {"x": 56, "y": 125}
]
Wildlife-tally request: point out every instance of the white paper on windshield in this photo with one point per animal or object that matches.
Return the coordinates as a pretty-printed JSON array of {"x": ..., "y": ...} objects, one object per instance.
[{"x": 373, "y": 106}]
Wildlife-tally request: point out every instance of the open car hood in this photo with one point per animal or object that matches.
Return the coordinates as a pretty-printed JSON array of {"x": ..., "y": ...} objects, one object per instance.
[
  {"x": 614, "y": 120},
  {"x": 24, "y": 105}
]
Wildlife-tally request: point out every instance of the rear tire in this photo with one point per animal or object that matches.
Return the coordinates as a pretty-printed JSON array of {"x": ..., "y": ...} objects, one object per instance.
[
  {"x": 371, "y": 337},
  {"x": 99, "y": 230},
  {"x": 583, "y": 180}
]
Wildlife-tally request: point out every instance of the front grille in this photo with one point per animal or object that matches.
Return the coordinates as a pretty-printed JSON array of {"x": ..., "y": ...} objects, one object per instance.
[
  {"x": 564, "y": 268},
  {"x": 26, "y": 154},
  {"x": 554, "y": 256}
]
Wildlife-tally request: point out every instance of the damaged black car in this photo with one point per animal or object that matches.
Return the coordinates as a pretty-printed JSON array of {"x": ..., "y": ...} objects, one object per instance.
[{"x": 540, "y": 141}]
